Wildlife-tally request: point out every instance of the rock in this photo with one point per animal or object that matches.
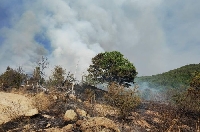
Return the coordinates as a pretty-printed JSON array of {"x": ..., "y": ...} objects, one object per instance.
[
  {"x": 87, "y": 104},
  {"x": 72, "y": 97},
  {"x": 70, "y": 115},
  {"x": 79, "y": 100},
  {"x": 31, "y": 112},
  {"x": 185, "y": 127},
  {"x": 127, "y": 128},
  {"x": 148, "y": 130},
  {"x": 47, "y": 116},
  {"x": 81, "y": 112},
  {"x": 55, "y": 97},
  {"x": 48, "y": 125},
  {"x": 53, "y": 130},
  {"x": 88, "y": 116},
  {"x": 27, "y": 127},
  {"x": 97, "y": 123},
  {"x": 79, "y": 122},
  {"x": 157, "y": 120},
  {"x": 68, "y": 128},
  {"x": 143, "y": 123}
]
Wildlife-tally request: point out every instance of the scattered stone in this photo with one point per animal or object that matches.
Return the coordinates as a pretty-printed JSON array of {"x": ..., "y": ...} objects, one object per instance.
[
  {"x": 149, "y": 112},
  {"x": 88, "y": 116},
  {"x": 70, "y": 115},
  {"x": 185, "y": 127},
  {"x": 81, "y": 112},
  {"x": 72, "y": 97},
  {"x": 31, "y": 112},
  {"x": 48, "y": 125},
  {"x": 47, "y": 116},
  {"x": 157, "y": 120},
  {"x": 55, "y": 97},
  {"x": 68, "y": 128},
  {"x": 87, "y": 104},
  {"x": 127, "y": 128},
  {"x": 53, "y": 130},
  {"x": 79, "y": 100},
  {"x": 148, "y": 130},
  {"x": 143, "y": 123},
  {"x": 79, "y": 122},
  {"x": 27, "y": 127},
  {"x": 98, "y": 122}
]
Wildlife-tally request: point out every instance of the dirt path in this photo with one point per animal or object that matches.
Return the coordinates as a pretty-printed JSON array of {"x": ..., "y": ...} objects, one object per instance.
[{"x": 13, "y": 105}]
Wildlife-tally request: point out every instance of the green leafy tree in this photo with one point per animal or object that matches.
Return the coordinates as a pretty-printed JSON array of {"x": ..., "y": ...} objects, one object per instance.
[
  {"x": 12, "y": 78},
  {"x": 195, "y": 82},
  {"x": 112, "y": 67},
  {"x": 23, "y": 76},
  {"x": 38, "y": 73},
  {"x": 179, "y": 77},
  {"x": 58, "y": 76}
]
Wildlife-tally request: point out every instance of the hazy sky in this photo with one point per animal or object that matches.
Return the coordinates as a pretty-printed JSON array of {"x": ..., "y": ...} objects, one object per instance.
[{"x": 155, "y": 35}]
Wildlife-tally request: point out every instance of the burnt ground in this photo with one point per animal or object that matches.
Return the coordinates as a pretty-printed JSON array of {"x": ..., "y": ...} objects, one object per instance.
[{"x": 149, "y": 116}]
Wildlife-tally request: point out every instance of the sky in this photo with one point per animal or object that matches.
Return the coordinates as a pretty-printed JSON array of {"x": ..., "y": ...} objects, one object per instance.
[{"x": 155, "y": 35}]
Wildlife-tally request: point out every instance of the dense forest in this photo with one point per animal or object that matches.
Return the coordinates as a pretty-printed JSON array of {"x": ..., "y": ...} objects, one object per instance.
[{"x": 179, "y": 77}]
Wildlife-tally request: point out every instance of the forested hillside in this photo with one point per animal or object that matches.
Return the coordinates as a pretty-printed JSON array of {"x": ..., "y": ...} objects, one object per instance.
[{"x": 173, "y": 78}]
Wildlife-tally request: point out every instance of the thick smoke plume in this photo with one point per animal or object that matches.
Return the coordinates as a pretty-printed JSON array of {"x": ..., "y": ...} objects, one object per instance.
[{"x": 70, "y": 33}]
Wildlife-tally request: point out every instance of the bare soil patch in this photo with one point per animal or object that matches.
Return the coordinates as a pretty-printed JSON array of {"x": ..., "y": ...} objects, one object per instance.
[{"x": 13, "y": 105}]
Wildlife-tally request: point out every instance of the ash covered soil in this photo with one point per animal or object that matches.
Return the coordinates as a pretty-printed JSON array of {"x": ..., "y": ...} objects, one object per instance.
[{"x": 30, "y": 111}]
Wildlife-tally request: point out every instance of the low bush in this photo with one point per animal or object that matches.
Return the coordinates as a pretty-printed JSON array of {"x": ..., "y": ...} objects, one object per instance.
[
  {"x": 189, "y": 100},
  {"x": 42, "y": 101},
  {"x": 126, "y": 100}
]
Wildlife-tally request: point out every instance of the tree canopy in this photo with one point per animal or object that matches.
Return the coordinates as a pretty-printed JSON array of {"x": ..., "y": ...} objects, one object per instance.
[
  {"x": 12, "y": 78},
  {"x": 195, "y": 81},
  {"x": 172, "y": 79},
  {"x": 112, "y": 67},
  {"x": 58, "y": 75}
]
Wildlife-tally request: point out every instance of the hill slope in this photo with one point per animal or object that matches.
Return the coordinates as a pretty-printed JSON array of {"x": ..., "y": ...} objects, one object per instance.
[{"x": 173, "y": 78}]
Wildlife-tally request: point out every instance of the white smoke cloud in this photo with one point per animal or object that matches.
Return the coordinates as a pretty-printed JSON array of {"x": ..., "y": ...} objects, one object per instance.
[
  {"x": 19, "y": 47},
  {"x": 78, "y": 30}
]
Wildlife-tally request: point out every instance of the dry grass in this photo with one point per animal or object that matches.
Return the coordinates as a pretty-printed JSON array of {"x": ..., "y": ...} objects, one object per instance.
[
  {"x": 42, "y": 101},
  {"x": 101, "y": 109},
  {"x": 12, "y": 112},
  {"x": 105, "y": 110}
]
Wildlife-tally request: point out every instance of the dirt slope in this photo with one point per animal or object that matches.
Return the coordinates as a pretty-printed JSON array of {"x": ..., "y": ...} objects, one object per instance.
[{"x": 13, "y": 105}]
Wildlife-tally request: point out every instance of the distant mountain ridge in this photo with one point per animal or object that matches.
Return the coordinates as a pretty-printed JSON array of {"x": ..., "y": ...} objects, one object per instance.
[{"x": 173, "y": 78}]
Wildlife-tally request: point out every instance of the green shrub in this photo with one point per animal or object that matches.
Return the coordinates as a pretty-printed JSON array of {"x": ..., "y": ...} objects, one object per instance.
[
  {"x": 189, "y": 100},
  {"x": 124, "y": 99},
  {"x": 12, "y": 78}
]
